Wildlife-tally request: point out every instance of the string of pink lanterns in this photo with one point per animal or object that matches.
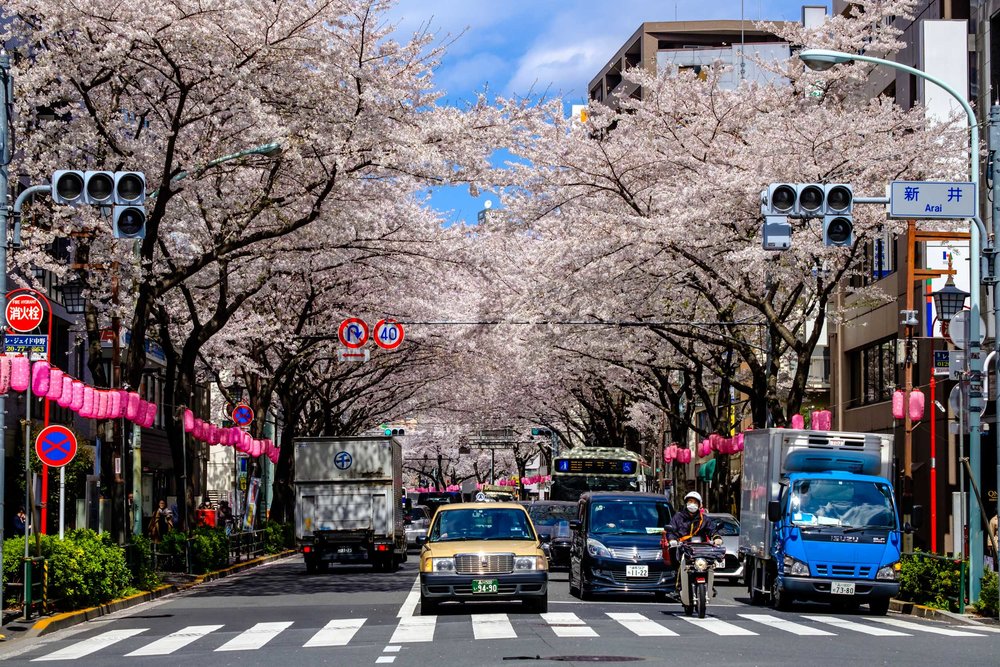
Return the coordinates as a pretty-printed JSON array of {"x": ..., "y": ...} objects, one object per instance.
[
  {"x": 18, "y": 373},
  {"x": 233, "y": 436}
]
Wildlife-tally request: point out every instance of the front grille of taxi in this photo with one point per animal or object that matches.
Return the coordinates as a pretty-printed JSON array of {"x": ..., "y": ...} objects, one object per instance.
[{"x": 484, "y": 563}]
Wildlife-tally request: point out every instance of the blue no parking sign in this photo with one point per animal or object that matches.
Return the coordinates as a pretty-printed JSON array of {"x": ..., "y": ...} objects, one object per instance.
[{"x": 55, "y": 446}]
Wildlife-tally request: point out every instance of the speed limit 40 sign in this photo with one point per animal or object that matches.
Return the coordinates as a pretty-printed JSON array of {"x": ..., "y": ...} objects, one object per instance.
[{"x": 388, "y": 334}]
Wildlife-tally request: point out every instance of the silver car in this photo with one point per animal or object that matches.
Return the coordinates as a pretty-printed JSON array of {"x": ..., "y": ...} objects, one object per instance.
[
  {"x": 729, "y": 531},
  {"x": 415, "y": 521}
]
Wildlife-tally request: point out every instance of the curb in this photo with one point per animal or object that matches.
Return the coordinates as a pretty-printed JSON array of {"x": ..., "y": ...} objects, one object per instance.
[
  {"x": 70, "y": 618},
  {"x": 912, "y": 609}
]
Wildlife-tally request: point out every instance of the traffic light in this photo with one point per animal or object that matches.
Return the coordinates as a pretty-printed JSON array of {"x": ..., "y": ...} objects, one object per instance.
[
  {"x": 838, "y": 223},
  {"x": 124, "y": 191},
  {"x": 394, "y": 431},
  {"x": 831, "y": 202},
  {"x": 541, "y": 431}
]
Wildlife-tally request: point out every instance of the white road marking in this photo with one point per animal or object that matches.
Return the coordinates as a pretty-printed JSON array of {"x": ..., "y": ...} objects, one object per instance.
[
  {"x": 567, "y": 624},
  {"x": 857, "y": 627},
  {"x": 391, "y": 649},
  {"x": 255, "y": 637},
  {"x": 721, "y": 628},
  {"x": 410, "y": 603},
  {"x": 920, "y": 627},
  {"x": 172, "y": 642},
  {"x": 787, "y": 626},
  {"x": 492, "y": 626},
  {"x": 641, "y": 625},
  {"x": 383, "y": 659},
  {"x": 88, "y": 646},
  {"x": 337, "y": 632},
  {"x": 414, "y": 629}
]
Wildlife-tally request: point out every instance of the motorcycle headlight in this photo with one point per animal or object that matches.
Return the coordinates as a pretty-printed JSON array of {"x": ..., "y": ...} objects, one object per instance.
[
  {"x": 442, "y": 564},
  {"x": 524, "y": 563},
  {"x": 796, "y": 568},
  {"x": 889, "y": 572},
  {"x": 596, "y": 549},
  {"x": 700, "y": 564}
]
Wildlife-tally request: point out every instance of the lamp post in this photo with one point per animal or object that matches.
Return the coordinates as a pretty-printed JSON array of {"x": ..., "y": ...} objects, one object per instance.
[{"x": 824, "y": 59}]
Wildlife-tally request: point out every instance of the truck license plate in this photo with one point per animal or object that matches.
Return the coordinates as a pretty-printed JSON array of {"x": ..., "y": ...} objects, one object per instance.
[
  {"x": 636, "y": 570},
  {"x": 842, "y": 588},
  {"x": 344, "y": 550},
  {"x": 485, "y": 586}
]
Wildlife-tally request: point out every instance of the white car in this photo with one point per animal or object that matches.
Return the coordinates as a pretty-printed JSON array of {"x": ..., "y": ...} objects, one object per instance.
[
  {"x": 415, "y": 522},
  {"x": 729, "y": 530}
]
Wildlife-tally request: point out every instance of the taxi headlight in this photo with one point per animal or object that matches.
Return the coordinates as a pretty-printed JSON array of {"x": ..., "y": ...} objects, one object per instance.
[
  {"x": 700, "y": 564},
  {"x": 795, "y": 567},
  {"x": 442, "y": 564},
  {"x": 889, "y": 572},
  {"x": 524, "y": 563}
]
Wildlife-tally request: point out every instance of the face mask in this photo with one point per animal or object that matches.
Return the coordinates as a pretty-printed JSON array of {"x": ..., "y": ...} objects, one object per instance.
[{"x": 692, "y": 507}]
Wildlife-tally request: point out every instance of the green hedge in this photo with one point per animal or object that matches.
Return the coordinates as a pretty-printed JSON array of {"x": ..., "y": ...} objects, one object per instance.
[
  {"x": 278, "y": 537},
  {"x": 987, "y": 604},
  {"x": 85, "y": 569},
  {"x": 930, "y": 581},
  {"x": 209, "y": 549}
]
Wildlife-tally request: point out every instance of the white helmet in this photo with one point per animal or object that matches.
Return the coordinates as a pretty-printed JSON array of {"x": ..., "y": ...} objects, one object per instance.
[{"x": 696, "y": 496}]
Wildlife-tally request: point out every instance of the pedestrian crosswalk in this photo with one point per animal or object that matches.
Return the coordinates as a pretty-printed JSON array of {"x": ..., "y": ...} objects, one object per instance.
[{"x": 414, "y": 630}]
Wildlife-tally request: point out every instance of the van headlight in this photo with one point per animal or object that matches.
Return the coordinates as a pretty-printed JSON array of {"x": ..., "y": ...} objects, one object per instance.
[
  {"x": 525, "y": 563},
  {"x": 596, "y": 549},
  {"x": 889, "y": 572},
  {"x": 796, "y": 568},
  {"x": 442, "y": 564}
]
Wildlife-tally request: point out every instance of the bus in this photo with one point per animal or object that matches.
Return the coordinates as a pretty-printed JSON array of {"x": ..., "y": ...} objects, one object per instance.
[{"x": 594, "y": 469}]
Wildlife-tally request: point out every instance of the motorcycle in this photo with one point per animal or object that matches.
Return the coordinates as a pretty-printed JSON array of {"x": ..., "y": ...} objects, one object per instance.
[{"x": 698, "y": 561}]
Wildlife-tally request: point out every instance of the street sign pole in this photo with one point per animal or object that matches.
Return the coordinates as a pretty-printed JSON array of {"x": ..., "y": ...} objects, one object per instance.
[{"x": 6, "y": 92}]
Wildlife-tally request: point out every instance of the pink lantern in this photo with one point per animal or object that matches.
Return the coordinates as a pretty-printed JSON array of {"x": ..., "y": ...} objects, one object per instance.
[
  {"x": 916, "y": 405},
  {"x": 87, "y": 409},
  {"x": 798, "y": 422},
  {"x": 66, "y": 397},
  {"x": 739, "y": 442},
  {"x": 117, "y": 405},
  {"x": 20, "y": 373},
  {"x": 188, "y": 421},
  {"x": 4, "y": 373},
  {"x": 103, "y": 404},
  {"x": 132, "y": 406},
  {"x": 40, "y": 378},
  {"x": 77, "y": 403},
  {"x": 714, "y": 441},
  {"x": 55, "y": 384},
  {"x": 150, "y": 415},
  {"x": 821, "y": 420},
  {"x": 898, "y": 404}
]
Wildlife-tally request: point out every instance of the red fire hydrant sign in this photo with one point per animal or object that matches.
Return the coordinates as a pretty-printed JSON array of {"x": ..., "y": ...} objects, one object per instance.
[{"x": 24, "y": 313}]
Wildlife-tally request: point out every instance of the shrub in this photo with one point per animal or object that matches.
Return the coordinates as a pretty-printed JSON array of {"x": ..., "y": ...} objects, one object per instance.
[
  {"x": 987, "y": 603},
  {"x": 143, "y": 575},
  {"x": 209, "y": 549},
  {"x": 278, "y": 537},
  {"x": 931, "y": 581}
]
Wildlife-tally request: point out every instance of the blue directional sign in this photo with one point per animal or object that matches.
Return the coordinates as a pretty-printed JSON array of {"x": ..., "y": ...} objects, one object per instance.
[
  {"x": 932, "y": 199},
  {"x": 36, "y": 347},
  {"x": 343, "y": 460},
  {"x": 55, "y": 446}
]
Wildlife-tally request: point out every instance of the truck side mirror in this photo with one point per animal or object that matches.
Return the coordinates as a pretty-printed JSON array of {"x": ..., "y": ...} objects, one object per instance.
[
  {"x": 575, "y": 524},
  {"x": 774, "y": 511},
  {"x": 917, "y": 516}
]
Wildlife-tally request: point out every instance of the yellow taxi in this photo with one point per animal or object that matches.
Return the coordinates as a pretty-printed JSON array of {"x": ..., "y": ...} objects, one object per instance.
[{"x": 482, "y": 551}]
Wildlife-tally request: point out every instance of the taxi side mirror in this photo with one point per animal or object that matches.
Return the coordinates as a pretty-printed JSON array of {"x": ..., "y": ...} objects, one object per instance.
[
  {"x": 421, "y": 540},
  {"x": 544, "y": 537}
]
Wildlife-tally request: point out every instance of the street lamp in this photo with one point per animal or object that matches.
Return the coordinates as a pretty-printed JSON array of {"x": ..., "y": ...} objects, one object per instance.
[
  {"x": 824, "y": 59},
  {"x": 73, "y": 299},
  {"x": 949, "y": 300}
]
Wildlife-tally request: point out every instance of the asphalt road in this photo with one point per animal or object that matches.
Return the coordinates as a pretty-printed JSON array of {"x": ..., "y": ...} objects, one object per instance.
[{"x": 276, "y": 614}]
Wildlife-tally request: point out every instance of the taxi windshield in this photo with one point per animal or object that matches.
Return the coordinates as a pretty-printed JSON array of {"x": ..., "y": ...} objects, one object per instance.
[{"x": 481, "y": 524}]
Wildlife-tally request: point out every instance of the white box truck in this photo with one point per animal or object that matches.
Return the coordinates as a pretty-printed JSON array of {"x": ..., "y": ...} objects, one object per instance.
[
  {"x": 348, "y": 501},
  {"x": 819, "y": 519}
]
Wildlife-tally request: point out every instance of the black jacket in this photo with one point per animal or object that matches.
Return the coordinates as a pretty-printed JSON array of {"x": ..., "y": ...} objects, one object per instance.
[{"x": 683, "y": 526}]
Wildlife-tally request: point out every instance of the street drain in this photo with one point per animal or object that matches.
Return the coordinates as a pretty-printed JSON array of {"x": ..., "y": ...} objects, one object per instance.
[{"x": 577, "y": 658}]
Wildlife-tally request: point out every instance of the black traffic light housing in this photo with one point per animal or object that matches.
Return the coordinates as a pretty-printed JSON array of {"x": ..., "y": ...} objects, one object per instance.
[{"x": 394, "y": 431}]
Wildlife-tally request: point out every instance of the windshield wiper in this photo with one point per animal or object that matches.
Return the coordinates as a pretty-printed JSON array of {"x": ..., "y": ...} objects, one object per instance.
[{"x": 858, "y": 529}]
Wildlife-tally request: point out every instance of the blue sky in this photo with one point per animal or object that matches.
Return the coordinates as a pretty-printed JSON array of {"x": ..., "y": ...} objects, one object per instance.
[{"x": 518, "y": 47}]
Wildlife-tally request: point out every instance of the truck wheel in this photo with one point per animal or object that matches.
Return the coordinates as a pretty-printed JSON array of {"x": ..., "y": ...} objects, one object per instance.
[
  {"x": 879, "y": 606},
  {"x": 780, "y": 598},
  {"x": 392, "y": 565},
  {"x": 428, "y": 607},
  {"x": 310, "y": 567}
]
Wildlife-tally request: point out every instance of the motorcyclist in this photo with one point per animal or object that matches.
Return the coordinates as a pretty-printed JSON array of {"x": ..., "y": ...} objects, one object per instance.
[{"x": 692, "y": 522}]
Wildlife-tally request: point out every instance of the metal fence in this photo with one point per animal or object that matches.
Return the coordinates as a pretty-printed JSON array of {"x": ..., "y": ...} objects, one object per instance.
[{"x": 242, "y": 546}]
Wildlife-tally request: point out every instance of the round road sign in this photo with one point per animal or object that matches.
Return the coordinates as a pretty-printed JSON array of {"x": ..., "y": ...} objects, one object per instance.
[
  {"x": 55, "y": 446},
  {"x": 388, "y": 334},
  {"x": 353, "y": 333},
  {"x": 242, "y": 415},
  {"x": 24, "y": 313}
]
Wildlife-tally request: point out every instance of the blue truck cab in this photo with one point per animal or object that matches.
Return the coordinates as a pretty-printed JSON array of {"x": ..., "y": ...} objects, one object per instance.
[{"x": 819, "y": 518}]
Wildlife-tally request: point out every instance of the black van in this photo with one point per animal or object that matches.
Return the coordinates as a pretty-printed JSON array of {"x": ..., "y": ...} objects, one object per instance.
[{"x": 616, "y": 545}]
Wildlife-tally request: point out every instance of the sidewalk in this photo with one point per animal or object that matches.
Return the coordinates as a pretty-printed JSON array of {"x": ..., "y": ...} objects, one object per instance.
[
  {"x": 901, "y": 607},
  {"x": 173, "y": 582}
]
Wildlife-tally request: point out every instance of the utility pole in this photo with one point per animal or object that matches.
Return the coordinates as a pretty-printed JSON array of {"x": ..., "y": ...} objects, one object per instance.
[
  {"x": 994, "y": 170},
  {"x": 6, "y": 96}
]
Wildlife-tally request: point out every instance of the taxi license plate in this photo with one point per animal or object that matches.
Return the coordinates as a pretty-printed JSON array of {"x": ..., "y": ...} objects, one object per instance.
[
  {"x": 842, "y": 588},
  {"x": 485, "y": 586},
  {"x": 636, "y": 570}
]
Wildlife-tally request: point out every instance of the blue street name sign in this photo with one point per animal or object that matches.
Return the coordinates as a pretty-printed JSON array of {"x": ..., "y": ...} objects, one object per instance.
[
  {"x": 941, "y": 362},
  {"x": 36, "y": 347},
  {"x": 932, "y": 199}
]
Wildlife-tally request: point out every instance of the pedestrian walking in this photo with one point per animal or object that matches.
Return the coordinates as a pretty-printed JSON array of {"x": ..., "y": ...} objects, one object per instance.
[
  {"x": 161, "y": 523},
  {"x": 20, "y": 521}
]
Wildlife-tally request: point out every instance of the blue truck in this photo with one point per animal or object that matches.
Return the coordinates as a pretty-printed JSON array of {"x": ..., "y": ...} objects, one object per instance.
[{"x": 819, "y": 519}]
